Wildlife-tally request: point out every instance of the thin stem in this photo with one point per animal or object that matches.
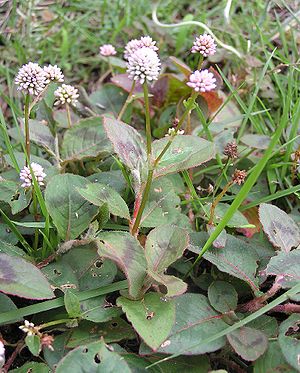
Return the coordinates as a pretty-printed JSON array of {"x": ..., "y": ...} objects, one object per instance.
[
  {"x": 148, "y": 123},
  {"x": 35, "y": 212},
  {"x": 69, "y": 116},
  {"x": 52, "y": 323},
  {"x": 27, "y": 133},
  {"x": 216, "y": 201},
  {"x": 143, "y": 203},
  {"x": 127, "y": 101},
  {"x": 181, "y": 120},
  {"x": 110, "y": 66}
]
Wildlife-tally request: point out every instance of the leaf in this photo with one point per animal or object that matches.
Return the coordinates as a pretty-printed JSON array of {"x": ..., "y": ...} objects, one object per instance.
[
  {"x": 122, "y": 81},
  {"x": 220, "y": 241},
  {"x": 266, "y": 324},
  {"x": 98, "y": 310},
  {"x": 33, "y": 343},
  {"x": 237, "y": 258},
  {"x": 70, "y": 212},
  {"x": 94, "y": 357},
  {"x": 164, "y": 245},
  {"x": 129, "y": 256},
  {"x": 72, "y": 304},
  {"x": 272, "y": 361},
  {"x": 151, "y": 317},
  {"x": 256, "y": 141},
  {"x": 32, "y": 367},
  {"x": 248, "y": 343},
  {"x": 185, "y": 69},
  {"x": 129, "y": 145},
  {"x": 251, "y": 215},
  {"x": 170, "y": 286},
  {"x": 185, "y": 152},
  {"x": 11, "y": 193},
  {"x": 21, "y": 278},
  {"x": 280, "y": 228},
  {"x": 108, "y": 99},
  {"x": 287, "y": 266},
  {"x": 222, "y": 296},
  {"x": 113, "y": 331},
  {"x": 112, "y": 178},
  {"x": 238, "y": 220},
  {"x": 85, "y": 140},
  {"x": 163, "y": 205},
  {"x": 289, "y": 340},
  {"x": 98, "y": 194},
  {"x": 181, "y": 364},
  {"x": 195, "y": 321}
]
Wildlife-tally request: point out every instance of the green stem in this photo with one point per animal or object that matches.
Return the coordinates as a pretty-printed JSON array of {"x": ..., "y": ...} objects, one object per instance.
[
  {"x": 127, "y": 101},
  {"x": 148, "y": 123},
  {"x": 143, "y": 203},
  {"x": 35, "y": 212},
  {"x": 181, "y": 120},
  {"x": 216, "y": 201},
  {"x": 69, "y": 116},
  {"x": 53, "y": 323},
  {"x": 26, "y": 122}
]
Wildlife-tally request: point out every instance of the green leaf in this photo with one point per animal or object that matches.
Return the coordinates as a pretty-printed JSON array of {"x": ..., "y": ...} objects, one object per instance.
[
  {"x": 129, "y": 145},
  {"x": 129, "y": 256},
  {"x": 32, "y": 367},
  {"x": 237, "y": 258},
  {"x": 70, "y": 212},
  {"x": 98, "y": 310},
  {"x": 113, "y": 331},
  {"x": 195, "y": 321},
  {"x": 289, "y": 340},
  {"x": 256, "y": 141},
  {"x": 21, "y": 278},
  {"x": 33, "y": 343},
  {"x": 286, "y": 265},
  {"x": 98, "y": 194},
  {"x": 248, "y": 343},
  {"x": 112, "y": 178},
  {"x": 108, "y": 99},
  {"x": 151, "y": 317},
  {"x": 94, "y": 357},
  {"x": 163, "y": 206},
  {"x": 272, "y": 361},
  {"x": 170, "y": 286},
  {"x": 85, "y": 140},
  {"x": 165, "y": 244},
  {"x": 280, "y": 228},
  {"x": 72, "y": 304},
  {"x": 238, "y": 220},
  {"x": 11, "y": 193},
  {"x": 222, "y": 296},
  {"x": 266, "y": 324},
  {"x": 182, "y": 364},
  {"x": 185, "y": 152}
]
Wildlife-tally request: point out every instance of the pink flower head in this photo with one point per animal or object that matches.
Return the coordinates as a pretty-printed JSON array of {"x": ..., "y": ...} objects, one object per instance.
[
  {"x": 31, "y": 79},
  {"x": 107, "y": 50},
  {"x": 143, "y": 65},
  {"x": 205, "y": 45},
  {"x": 26, "y": 178},
  {"x": 135, "y": 44},
  {"x": 202, "y": 81}
]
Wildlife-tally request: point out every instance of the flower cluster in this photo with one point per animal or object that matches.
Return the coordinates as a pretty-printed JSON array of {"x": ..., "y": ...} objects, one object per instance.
[
  {"x": 32, "y": 79},
  {"x": 66, "y": 94},
  {"x": 205, "y": 45},
  {"x": 239, "y": 176},
  {"x": 135, "y": 44},
  {"x": 29, "y": 328},
  {"x": 2, "y": 354},
  {"x": 231, "y": 150},
  {"x": 54, "y": 74},
  {"x": 172, "y": 132},
  {"x": 26, "y": 177},
  {"x": 143, "y": 65},
  {"x": 202, "y": 81},
  {"x": 107, "y": 50}
]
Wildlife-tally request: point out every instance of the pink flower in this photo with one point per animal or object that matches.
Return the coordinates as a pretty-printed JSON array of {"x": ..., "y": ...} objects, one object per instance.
[
  {"x": 135, "y": 44},
  {"x": 143, "y": 65},
  {"x": 205, "y": 45},
  {"x": 26, "y": 178},
  {"x": 202, "y": 81},
  {"x": 107, "y": 50},
  {"x": 31, "y": 79}
]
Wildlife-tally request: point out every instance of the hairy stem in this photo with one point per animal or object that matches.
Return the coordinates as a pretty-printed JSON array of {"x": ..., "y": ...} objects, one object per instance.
[{"x": 27, "y": 133}]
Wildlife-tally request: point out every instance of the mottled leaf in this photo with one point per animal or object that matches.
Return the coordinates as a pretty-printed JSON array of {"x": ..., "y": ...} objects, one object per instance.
[
  {"x": 32, "y": 367},
  {"x": 98, "y": 194},
  {"x": 152, "y": 317},
  {"x": 280, "y": 228},
  {"x": 21, "y": 278},
  {"x": 94, "y": 357},
  {"x": 256, "y": 141},
  {"x": 287, "y": 266},
  {"x": 185, "y": 152},
  {"x": 70, "y": 212},
  {"x": 289, "y": 340},
  {"x": 170, "y": 286},
  {"x": 108, "y": 99},
  {"x": 222, "y": 296},
  {"x": 128, "y": 254},
  {"x": 247, "y": 342},
  {"x": 85, "y": 140}
]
